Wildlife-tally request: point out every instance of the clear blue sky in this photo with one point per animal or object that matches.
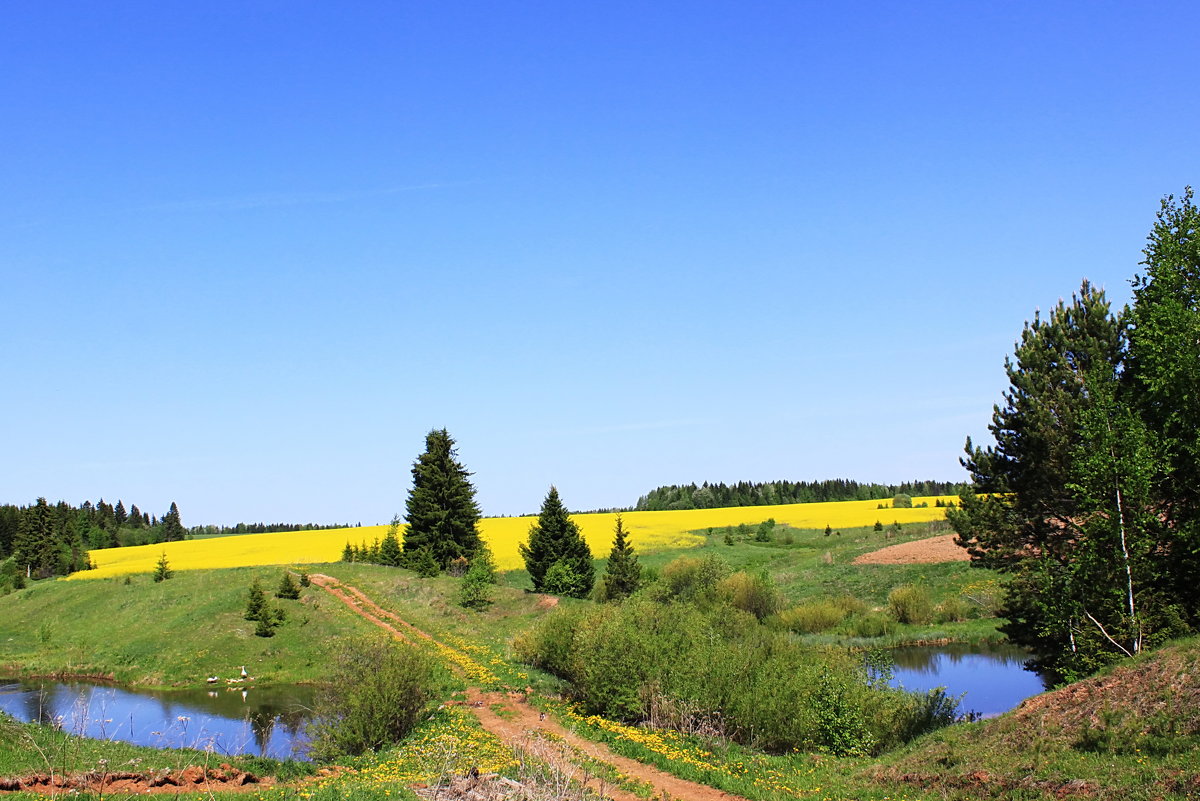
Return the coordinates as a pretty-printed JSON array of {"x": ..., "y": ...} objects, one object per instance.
[{"x": 252, "y": 252}]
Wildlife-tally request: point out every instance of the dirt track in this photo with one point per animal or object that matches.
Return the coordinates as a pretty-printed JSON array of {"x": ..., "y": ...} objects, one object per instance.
[
  {"x": 510, "y": 717},
  {"x": 934, "y": 549}
]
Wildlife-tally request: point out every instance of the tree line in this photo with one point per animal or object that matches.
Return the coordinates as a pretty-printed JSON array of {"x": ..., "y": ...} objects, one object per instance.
[
  {"x": 771, "y": 493},
  {"x": 41, "y": 540},
  {"x": 262, "y": 528},
  {"x": 1089, "y": 496}
]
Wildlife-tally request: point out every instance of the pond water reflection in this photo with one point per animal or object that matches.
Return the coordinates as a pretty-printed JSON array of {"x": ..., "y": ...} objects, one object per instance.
[
  {"x": 993, "y": 677},
  {"x": 264, "y": 721}
]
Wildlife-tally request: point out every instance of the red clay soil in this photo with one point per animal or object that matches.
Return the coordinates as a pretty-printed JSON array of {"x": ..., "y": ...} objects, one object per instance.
[
  {"x": 510, "y": 717},
  {"x": 189, "y": 780},
  {"x": 932, "y": 550}
]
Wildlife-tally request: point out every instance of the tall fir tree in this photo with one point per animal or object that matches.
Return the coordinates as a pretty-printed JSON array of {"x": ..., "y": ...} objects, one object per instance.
[
  {"x": 442, "y": 514},
  {"x": 389, "y": 550},
  {"x": 135, "y": 517},
  {"x": 172, "y": 526},
  {"x": 36, "y": 551},
  {"x": 556, "y": 540},
  {"x": 622, "y": 574},
  {"x": 119, "y": 515}
]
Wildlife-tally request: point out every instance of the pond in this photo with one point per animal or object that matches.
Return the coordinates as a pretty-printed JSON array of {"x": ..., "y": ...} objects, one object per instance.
[
  {"x": 993, "y": 677},
  {"x": 229, "y": 720}
]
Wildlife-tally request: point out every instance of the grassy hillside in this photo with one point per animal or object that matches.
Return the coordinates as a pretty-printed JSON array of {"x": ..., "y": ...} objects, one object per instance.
[
  {"x": 173, "y": 633},
  {"x": 1132, "y": 732}
]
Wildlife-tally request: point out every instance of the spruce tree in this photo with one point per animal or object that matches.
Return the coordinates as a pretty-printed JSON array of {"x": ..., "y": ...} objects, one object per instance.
[
  {"x": 173, "y": 530},
  {"x": 162, "y": 570},
  {"x": 256, "y": 601},
  {"x": 389, "y": 549},
  {"x": 287, "y": 587},
  {"x": 441, "y": 511},
  {"x": 34, "y": 546},
  {"x": 623, "y": 574},
  {"x": 556, "y": 538},
  {"x": 119, "y": 514}
]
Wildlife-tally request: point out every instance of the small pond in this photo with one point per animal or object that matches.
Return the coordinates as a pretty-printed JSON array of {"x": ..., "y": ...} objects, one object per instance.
[
  {"x": 993, "y": 677},
  {"x": 262, "y": 721}
]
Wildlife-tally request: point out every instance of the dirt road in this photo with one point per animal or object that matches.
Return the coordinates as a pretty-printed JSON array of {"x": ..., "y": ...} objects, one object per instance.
[{"x": 510, "y": 717}]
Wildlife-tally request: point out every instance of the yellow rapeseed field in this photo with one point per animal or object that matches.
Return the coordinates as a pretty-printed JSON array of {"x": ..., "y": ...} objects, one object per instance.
[{"x": 648, "y": 531}]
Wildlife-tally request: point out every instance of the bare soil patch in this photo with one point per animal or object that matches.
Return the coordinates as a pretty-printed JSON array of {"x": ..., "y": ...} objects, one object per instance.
[
  {"x": 195, "y": 779},
  {"x": 929, "y": 551}
]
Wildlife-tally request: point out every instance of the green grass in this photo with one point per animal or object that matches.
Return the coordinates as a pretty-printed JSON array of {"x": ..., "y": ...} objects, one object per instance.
[
  {"x": 182, "y": 630},
  {"x": 174, "y": 633}
]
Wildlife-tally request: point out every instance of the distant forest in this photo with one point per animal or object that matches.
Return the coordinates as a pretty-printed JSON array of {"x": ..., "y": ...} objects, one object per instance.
[
  {"x": 46, "y": 540},
  {"x": 43, "y": 540},
  {"x": 262, "y": 528},
  {"x": 746, "y": 493}
]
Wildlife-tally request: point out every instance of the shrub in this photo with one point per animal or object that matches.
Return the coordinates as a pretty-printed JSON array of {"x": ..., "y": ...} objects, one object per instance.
[
  {"x": 377, "y": 693},
  {"x": 952, "y": 610},
  {"x": 902, "y": 501},
  {"x": 564, "y": 578},
  {"x": 750, "y": 592},
  {"x": 812, "y": 618},
  {"x": 873, "y": 625},
  {"x": 910, "y": 603},
  {"x": 850, "y": 605},
  {"x": 691, "y": 579},
  {"x": 476, "y": 589}
]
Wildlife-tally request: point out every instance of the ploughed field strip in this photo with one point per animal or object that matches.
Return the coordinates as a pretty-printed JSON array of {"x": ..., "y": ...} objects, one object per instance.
[
  {"x": 510, "y": 717},
  {"x": 918, "y": 552}
]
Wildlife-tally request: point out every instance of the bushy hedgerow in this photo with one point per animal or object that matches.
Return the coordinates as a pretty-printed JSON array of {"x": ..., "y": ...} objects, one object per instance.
[{"x": 766, "y": 689}]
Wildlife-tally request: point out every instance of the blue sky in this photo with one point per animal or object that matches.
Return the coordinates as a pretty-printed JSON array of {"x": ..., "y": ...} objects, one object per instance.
[{"x": 252, "y": 252}]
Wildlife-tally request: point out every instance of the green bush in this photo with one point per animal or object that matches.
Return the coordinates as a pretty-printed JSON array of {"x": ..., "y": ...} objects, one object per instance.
[
  {"x": 750, "y": 592},
  {"x": 377, "y": 693},
  {"x": 691, "y": 579},
  {"x": 910, "y": 603},
  {"x": 812, "y": 618},
  {"x": 874, "y": 624},
  {"x": 715, "y": 667},
  {"x": 850, "y": 605},
  {"x": 952, "y": 610}
]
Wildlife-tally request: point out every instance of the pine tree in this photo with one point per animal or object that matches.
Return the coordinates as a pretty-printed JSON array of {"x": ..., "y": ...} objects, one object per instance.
[
  {"x": 389, "y": 550},
  {"x": 256, "y": 601},
  {"x": 348, "y": 552},
  {"x": 119, "y": 514},
  {"x": 622, "y": 574},
  {"x": 135, "y": 517},
  {"x": 441, "y": 511},
  {"x": 173, "y": 530},
  {"x": 162, "y": 570},
  {"x": 287, "y": 587},
  {"x": 556, "y": 538},
  {"x": 34, "y": 546}
]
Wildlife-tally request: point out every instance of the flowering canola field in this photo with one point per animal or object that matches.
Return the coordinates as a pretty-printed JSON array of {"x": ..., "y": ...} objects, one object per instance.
[{"x": 648, "y": 532}]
